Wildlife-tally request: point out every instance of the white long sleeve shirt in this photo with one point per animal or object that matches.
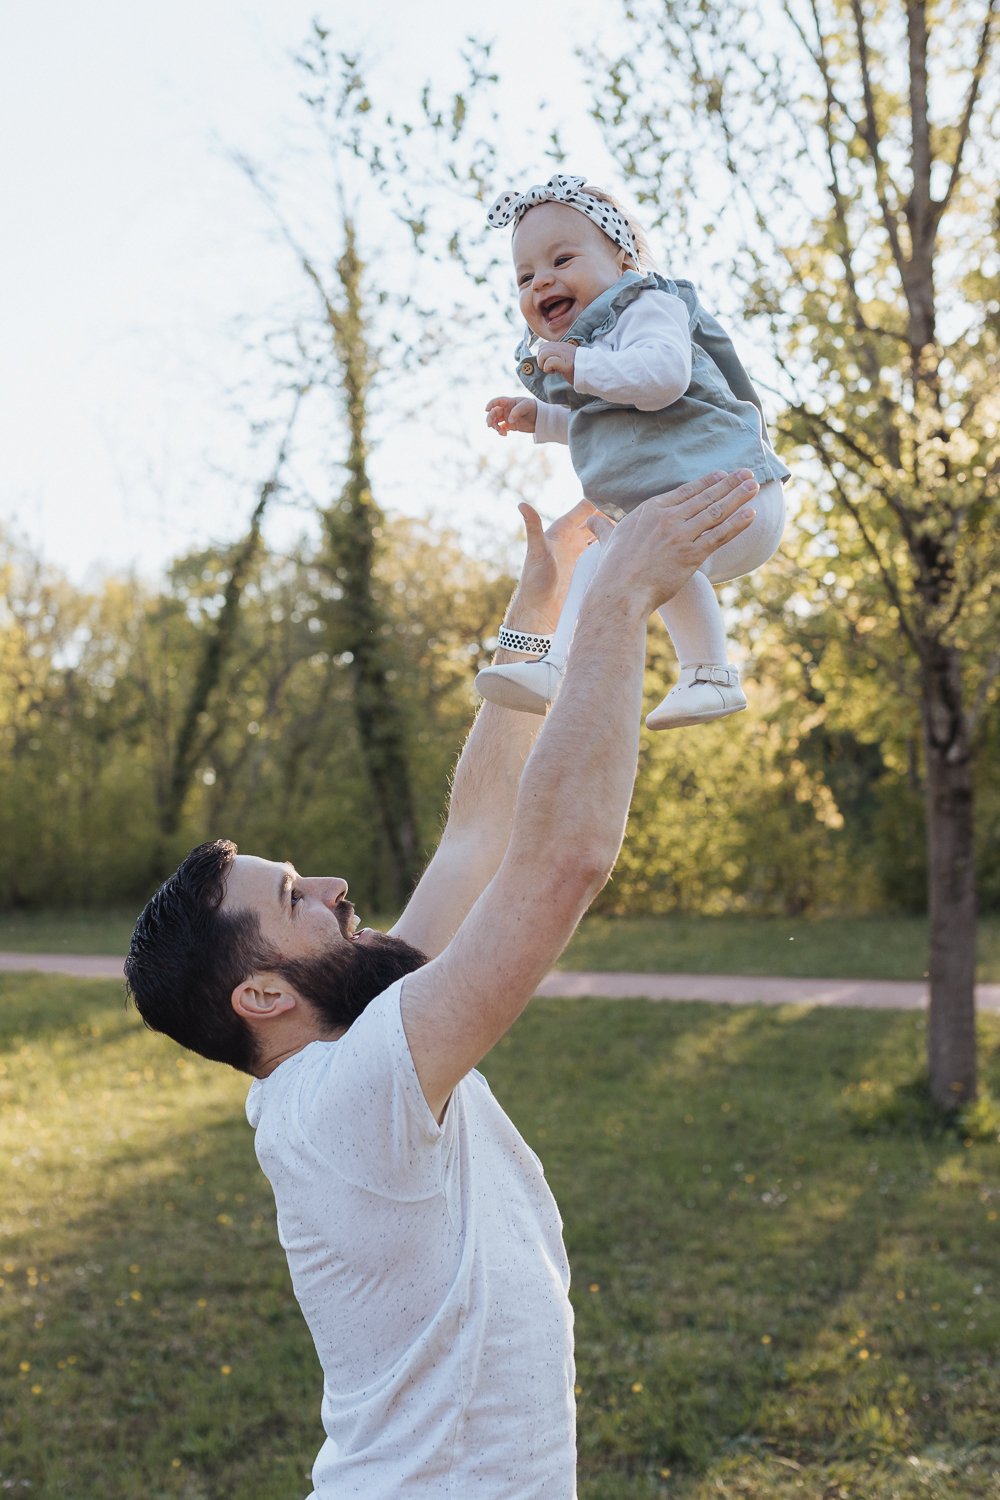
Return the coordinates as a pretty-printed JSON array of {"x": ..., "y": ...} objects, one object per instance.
[{"x": 643, "y": 361}]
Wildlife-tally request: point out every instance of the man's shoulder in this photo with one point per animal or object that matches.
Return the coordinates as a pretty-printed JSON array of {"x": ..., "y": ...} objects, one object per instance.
[{"x": 315, "y": 1065}]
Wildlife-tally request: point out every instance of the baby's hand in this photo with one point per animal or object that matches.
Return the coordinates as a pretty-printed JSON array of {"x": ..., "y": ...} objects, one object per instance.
[
  {"x": 511, "y": 414},
  {"x": 558, "y": 358}
]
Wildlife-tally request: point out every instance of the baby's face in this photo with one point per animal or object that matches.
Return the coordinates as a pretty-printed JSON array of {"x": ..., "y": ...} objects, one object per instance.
[{"x": 562, "y": 261}]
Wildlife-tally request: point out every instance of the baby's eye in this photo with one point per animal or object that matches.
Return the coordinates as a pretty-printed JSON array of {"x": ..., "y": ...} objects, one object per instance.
[
  {"x": 562, "y": 260},
  {"x": 523, "y": 280}
]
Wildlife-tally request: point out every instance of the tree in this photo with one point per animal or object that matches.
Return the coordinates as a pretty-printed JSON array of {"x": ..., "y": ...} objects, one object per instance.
[
  {"x": 845, "y": 157},
  {"x": 202, "y": 716},
  {"x": 357, "y": 338}
]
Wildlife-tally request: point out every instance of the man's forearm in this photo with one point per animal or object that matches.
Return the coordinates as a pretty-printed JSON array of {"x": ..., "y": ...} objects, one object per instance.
[
  {"x": 480, "y": 813},
  {"x": 576, "y": 788}
]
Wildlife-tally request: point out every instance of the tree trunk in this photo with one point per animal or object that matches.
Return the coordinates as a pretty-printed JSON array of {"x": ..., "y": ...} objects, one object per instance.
[
  {"x": 951, "y": 1037},
  {"x": 352, "y": 528},
  {"x": 193, "y": 735}
]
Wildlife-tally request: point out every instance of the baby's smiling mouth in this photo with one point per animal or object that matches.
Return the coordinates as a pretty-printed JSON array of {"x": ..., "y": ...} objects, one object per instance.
[{"x": 554, "y": 308}]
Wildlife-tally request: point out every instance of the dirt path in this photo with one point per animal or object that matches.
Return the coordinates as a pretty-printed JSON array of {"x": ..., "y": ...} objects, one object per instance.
[{"x": 722, "y": 989}]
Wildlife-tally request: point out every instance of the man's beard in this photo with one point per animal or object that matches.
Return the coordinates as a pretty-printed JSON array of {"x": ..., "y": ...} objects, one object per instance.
[{"x": 340, "y": 984}]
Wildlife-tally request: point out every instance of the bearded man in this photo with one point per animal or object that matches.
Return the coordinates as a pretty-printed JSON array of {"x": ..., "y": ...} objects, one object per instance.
[{"x": 424, "y": 1245}]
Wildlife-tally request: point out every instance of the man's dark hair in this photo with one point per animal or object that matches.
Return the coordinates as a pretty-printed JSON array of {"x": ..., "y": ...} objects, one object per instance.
[{"x": 187, "y": 956}]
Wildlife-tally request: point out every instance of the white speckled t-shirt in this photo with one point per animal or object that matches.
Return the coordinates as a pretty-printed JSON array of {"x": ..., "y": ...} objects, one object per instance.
[{"x": 429, "y": 1264}]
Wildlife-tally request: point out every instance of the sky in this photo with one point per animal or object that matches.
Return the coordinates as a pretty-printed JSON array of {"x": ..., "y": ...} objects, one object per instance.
[{"x": 132, "y": 247}]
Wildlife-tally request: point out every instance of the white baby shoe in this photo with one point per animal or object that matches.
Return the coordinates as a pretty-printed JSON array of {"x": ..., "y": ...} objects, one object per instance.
[
  {"x": 700, "y": 693},
  {"x": 528, "y": 686}
]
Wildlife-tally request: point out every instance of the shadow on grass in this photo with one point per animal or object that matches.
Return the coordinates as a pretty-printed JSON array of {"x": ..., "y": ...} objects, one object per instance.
[
  {"x": 739, "y": 1241},
  {"x": 731, "y": 1232}
]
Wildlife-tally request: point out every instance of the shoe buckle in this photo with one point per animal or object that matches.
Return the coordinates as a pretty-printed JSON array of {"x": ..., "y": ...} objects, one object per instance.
[{"x": 720, "y": 676}]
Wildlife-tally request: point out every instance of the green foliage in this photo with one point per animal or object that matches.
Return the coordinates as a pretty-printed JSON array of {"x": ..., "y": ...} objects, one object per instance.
[
  {"x": 808, "y": 803},
  {"x": 769, "y": 1302}
]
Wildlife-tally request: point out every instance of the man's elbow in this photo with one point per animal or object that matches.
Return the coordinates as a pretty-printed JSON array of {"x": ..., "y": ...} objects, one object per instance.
[{"x": 581, "y": 873}]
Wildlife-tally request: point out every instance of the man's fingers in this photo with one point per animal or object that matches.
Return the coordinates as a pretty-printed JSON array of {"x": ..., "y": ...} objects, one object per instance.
[
  {"x": 581, "y": 510},
  {"x": 694, "y": 498},
  {"x": 717, "y": 536},
  {"x": 602, "y": 526},
  {"x": 718, "y": 501}
]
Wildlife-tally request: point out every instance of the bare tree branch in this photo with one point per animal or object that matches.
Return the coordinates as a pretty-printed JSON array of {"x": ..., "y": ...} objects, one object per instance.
[
  {"x": 870, "y": 135},
  {"x": 965, "y": 127},
  {"x": 886, "y": 572}
]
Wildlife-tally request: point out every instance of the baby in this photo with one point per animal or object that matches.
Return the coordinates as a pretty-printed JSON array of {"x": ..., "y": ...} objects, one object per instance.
[{"x": 630, "y": 370}]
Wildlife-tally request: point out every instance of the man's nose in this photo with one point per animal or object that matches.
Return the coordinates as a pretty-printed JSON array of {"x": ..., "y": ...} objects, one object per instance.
[{"x": 334, "y": 889}]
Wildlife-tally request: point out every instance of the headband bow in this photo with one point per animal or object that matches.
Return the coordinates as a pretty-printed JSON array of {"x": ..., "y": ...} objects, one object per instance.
[{"x": 510, "y": 208}]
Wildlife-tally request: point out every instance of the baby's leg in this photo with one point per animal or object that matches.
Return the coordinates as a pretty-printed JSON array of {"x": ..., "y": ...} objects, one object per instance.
[
  {"x": 694, "y": 623},
  {"x": 709, "y": 685}
]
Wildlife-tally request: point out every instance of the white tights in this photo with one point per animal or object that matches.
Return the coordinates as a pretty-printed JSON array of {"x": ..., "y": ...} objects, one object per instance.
[{"x": 693, "y": 617}]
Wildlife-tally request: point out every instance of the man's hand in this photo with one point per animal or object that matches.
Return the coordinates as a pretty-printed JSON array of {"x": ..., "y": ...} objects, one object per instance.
[
  {"x": 557, "y": 358},
  {"x": 511, "y": 414},
  {"x": 548, "y": 566},
  {"x": 650, "y": 556},
  {"x": 489, "y": 770}
]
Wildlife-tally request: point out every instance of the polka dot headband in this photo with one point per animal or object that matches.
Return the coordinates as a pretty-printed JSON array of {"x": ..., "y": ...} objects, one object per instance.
[{"x": 510, "y": 208}]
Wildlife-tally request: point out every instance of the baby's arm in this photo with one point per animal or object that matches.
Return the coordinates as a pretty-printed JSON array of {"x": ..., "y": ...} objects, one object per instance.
[
  {"x": 511, "y": 414},
  {"x": 550, "y": 424},
  {"x": 647, "y": 361}
]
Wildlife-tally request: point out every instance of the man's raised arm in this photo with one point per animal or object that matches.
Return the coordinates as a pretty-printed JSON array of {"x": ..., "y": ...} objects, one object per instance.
[
  {"x": 574, "y": 793},
  {"x": 484, "y": 786}
]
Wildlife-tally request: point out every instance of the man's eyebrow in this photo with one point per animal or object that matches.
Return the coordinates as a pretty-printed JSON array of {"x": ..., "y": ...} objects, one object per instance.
[{"x": 287, "y": 881}]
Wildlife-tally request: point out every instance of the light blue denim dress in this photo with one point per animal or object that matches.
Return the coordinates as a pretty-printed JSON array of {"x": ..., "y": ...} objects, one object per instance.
[{"x": 622, "y": 455}]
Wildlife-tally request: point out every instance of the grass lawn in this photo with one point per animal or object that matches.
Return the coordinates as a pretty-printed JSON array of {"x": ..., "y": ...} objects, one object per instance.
[
  {"x": 826, "y": 948},
  {"x": 799, "y": 948},
  {"x": 62, "y": 931},
  {"x": 786, "y": 1278}
]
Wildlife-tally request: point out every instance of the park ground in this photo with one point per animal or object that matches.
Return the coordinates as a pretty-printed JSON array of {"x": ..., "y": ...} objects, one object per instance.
[{"x": 785, "y": 1266}]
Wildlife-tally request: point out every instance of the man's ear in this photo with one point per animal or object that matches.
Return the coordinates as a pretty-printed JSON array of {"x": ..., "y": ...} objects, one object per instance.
[{"x": 262, "y": 997}]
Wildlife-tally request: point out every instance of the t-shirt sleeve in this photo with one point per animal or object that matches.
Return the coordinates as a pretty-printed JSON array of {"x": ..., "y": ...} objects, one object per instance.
[
  {"x": 646, "y": 360},
  {"x": 360, "y": 1105}
]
